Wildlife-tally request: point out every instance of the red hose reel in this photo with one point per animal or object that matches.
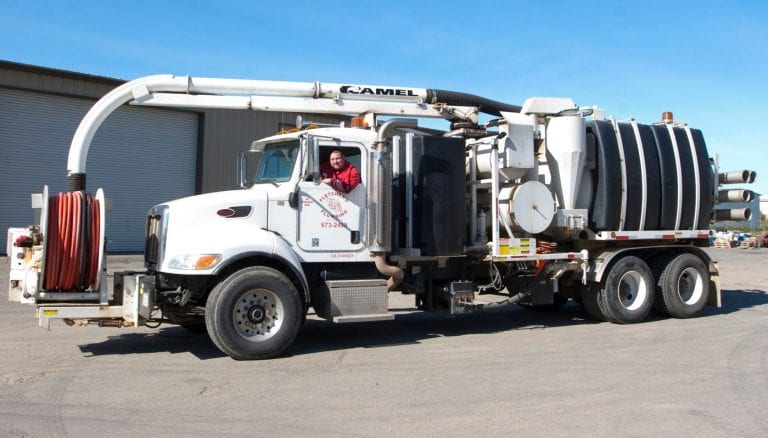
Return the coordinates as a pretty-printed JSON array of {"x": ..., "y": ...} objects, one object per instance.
[{"x": 72, "y": 251}]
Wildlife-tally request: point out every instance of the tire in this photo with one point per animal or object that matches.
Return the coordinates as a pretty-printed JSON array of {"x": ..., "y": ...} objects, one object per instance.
[
  {"x": 589, "y": 302},
  {"x": 657, "y": 265},
  {"x": 627, "y": 292},
  {"x": 254, "y": 313},
  {"x": 683, "y": 287}
]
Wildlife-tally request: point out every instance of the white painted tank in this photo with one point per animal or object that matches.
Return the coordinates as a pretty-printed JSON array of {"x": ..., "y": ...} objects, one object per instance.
[
  {"x": 516, "y": 154},
  {"x": 566, "y": 153},
  {"x": 527, "y": 207}
]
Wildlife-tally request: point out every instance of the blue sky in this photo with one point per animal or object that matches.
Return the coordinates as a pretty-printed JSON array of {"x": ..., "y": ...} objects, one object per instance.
[{"x": 704, "y": 60}]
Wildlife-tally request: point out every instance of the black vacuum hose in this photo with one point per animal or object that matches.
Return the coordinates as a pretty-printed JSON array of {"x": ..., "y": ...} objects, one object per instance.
[{"x": 484, "y": 105}]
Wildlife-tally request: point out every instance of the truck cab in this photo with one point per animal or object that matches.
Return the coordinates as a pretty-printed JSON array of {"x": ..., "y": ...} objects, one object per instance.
[
  {"x": 282, "y": 217},
  {"x": 282, "y": 206}
]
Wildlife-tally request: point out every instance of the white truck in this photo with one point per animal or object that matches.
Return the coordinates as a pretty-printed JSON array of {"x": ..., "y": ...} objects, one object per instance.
[{"x": 539, "y": 204}]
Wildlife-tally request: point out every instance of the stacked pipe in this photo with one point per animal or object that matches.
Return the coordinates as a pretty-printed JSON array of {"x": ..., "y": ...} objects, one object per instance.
[
  {"x": 737, "y": 177},
  {"x": 72, "y": 249},
  {"x": 735, "y": 195},
  {"x": 733, "y": 214}
]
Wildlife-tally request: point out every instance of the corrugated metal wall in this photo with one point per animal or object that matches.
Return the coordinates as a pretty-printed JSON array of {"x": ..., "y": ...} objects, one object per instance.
[
  {"x": 40, "y": 79},
  {"x": 227, "y": 133},
  {"x": 140, "y": 157}
]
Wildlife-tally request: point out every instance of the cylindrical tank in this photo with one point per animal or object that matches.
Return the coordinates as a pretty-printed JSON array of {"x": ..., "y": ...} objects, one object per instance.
[
  {"x": 566, "y": 153},
  {"x": 515, "y": 158},
  {"x": 481, "y": 225},
  {"x": 527, "y": 207}
]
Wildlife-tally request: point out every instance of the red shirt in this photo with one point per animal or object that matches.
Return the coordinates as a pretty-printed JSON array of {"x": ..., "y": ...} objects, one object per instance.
[{"x": 344, "y": 179}]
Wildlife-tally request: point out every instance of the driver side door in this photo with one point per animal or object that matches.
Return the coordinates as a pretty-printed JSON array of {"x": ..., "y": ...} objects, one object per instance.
[{"x": 329, "y": 220}]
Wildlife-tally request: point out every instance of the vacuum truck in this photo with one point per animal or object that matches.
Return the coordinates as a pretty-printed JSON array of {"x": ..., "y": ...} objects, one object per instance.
[{"x": 533, "y": 204}]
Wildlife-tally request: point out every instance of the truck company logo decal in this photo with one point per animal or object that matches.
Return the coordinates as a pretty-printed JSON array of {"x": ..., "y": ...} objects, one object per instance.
[
  {"x": 334, "y": 201},
  {"x": 333, "y": 208},
  {"x": 356, "y": 89},
  {"x": 239, "y": 211}
]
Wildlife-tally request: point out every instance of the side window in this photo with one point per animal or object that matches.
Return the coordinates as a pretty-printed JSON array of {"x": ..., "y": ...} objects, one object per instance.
[{"x": 352, "y": 154}]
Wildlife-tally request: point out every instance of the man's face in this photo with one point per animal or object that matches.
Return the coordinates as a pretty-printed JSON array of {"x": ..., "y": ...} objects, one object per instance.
[{"x": 337, "y": 160}]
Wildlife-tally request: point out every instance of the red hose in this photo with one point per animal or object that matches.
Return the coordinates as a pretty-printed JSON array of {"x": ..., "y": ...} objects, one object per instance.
[
  {"x": 95, "y": 236},
  {"x": 52, "y": 268},
  {"x": 72, "y": 253},
  {"x": 65, "y": 224},
  {"x": 69, "y": 242},
  {"x": 543, "y": 248},
  {"x": 74, "y": 249}
]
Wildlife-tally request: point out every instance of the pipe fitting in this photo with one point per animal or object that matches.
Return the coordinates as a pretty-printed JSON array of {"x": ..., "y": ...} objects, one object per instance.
[{"x": 396, "y": 274}]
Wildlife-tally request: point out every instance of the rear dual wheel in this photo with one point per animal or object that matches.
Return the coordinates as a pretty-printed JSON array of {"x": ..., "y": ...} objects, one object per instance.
[
  {"x": 679, "y": 288},
  {"x": 625, "y": 295},
  {"x": 683, "y": 285}
]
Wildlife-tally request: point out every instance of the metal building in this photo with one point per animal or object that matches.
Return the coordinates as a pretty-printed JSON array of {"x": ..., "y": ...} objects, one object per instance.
[{"x": 140, "y": 156}]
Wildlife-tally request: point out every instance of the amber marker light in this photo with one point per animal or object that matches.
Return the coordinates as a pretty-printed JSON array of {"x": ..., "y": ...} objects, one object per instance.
[
  {"x": 206, "y": 261},
  {"x": 358, "y": 122}
]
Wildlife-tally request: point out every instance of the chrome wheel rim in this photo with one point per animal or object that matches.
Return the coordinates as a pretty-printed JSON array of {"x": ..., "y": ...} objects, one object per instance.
[
  {"x": 632, "y": 290},
  {"x": 690, "y": 286},
  {"x": 258, "y": 315}
]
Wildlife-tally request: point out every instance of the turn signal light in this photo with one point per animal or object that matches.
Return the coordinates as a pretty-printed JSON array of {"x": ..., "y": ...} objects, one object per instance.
[
  {"x": 205, "y": 261},
  {"x": 194, "y": 261}
]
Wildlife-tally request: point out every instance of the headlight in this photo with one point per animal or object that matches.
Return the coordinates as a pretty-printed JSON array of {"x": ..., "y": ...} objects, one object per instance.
[{"x": 194, "y": 261}]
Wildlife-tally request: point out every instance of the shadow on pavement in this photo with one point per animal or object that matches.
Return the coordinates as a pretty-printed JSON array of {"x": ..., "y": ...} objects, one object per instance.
[
  {"x": 169, "y": 339},
  {"x": 735, "y": 300},
  {"x": 412, "y": 328},
  {"x": 407, "y": 328},
  {"x": 319, "y": 335}
]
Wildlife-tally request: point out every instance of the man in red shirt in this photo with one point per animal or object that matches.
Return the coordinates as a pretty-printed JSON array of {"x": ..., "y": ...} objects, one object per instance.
[{"x": 339, "y": 173}]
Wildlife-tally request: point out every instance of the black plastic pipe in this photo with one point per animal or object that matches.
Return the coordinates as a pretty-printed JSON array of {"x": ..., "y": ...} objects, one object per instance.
[{"x": 484, "y": 105}]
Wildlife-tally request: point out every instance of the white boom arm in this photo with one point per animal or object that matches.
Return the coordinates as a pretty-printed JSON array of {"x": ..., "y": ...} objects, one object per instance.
[{"x": 314, "y": 97}]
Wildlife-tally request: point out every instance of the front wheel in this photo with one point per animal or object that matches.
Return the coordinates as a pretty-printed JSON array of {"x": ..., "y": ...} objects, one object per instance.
[{"x": 255, "y": 313}]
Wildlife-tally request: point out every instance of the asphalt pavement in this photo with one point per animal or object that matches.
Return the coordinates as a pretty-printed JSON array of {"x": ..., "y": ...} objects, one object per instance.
[{"x": 494, "y": 373}]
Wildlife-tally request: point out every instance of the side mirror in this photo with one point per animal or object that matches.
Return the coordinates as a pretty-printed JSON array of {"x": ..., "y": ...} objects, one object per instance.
[
  {"x": 313, "y": 159},
  {"x": 293, "y": 199},
  {"x": 247, "y": 160},
  {"x": 242, "y": 170}
]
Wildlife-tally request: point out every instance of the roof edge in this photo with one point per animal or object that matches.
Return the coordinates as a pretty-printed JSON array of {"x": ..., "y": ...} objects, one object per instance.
[{"x": 30, "y": 68}]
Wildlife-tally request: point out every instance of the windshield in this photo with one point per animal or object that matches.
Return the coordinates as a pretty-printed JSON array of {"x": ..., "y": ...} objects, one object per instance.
[{"x": 277, "y": 162}]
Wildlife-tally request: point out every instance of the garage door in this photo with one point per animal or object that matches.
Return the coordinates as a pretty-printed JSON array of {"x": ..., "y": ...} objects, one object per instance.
[{"x": 140, "y": 157}]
